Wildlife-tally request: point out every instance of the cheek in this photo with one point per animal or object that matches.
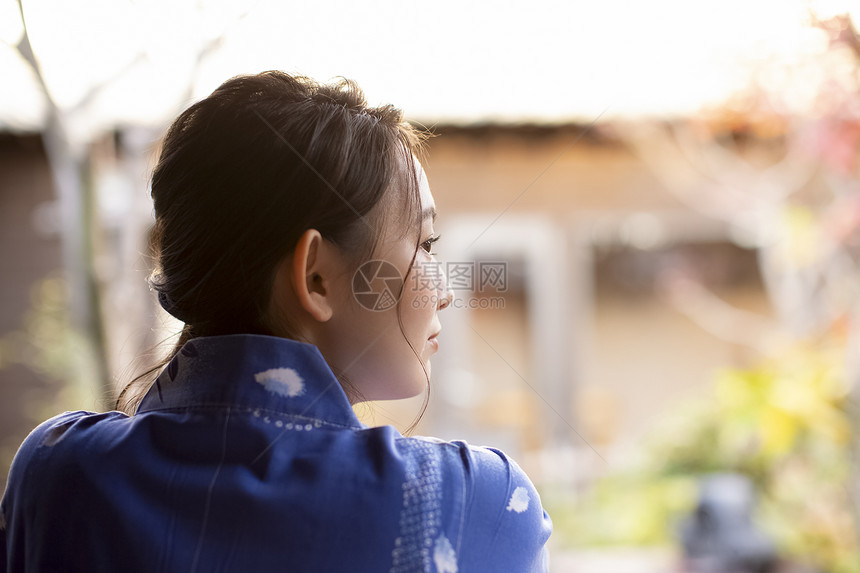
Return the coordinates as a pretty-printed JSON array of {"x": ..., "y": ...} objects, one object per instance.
[
  {"x": 424, "y": 277},
  {"x": 419, "y": 299}
]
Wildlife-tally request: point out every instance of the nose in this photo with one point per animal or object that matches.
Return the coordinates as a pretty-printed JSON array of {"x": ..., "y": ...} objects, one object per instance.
[{"x": 447, "y": 297}]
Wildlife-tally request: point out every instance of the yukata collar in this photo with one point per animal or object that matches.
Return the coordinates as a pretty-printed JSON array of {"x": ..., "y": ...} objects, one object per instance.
[{"x": 255, "y": 372}]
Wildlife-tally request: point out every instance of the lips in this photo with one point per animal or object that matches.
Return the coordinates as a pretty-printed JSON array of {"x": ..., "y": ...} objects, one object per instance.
[{"x": 434, "y": 344}]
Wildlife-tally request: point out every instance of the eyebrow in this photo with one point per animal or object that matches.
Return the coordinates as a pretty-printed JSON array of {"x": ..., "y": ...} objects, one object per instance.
[{"x": 429, "y": 212}]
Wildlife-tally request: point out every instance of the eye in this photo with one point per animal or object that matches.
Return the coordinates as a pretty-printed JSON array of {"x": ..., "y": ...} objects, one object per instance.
[{"x": 428, "y": 244}]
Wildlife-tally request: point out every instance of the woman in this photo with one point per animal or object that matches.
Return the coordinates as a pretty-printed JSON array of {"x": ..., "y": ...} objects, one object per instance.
[{"x": 294, "y": 232}]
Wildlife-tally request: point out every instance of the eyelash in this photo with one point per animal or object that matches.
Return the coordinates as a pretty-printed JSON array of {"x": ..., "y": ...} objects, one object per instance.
[{"x": 428, "y": 244}]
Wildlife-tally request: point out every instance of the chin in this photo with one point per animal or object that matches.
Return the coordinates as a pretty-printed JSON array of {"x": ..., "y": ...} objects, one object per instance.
[
  {"x": 410, "y": 391},
  {"x": 400, "y": 390}
]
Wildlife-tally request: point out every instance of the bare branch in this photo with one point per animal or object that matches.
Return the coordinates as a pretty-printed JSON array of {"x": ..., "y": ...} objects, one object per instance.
[{"x": 26, "y": 50}]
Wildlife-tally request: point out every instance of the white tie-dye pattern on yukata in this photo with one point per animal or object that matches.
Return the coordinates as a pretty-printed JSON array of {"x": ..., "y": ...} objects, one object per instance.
[
  {"x": 282, "y": 381},
  {"x": 444, "y": 556},
  {"x": 421, "y": 513},
  {"x": 519, "y": 500}
]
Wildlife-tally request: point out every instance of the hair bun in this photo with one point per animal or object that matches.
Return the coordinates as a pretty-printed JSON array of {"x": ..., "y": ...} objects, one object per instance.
[{"x": 168, "y": 305}]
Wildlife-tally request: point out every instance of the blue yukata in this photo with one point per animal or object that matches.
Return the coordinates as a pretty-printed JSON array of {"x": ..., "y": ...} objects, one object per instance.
[{"x": 246, "y": 456}]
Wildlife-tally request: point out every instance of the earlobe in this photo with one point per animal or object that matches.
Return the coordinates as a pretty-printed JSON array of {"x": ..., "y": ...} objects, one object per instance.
[{"x": 310, "y": 275}]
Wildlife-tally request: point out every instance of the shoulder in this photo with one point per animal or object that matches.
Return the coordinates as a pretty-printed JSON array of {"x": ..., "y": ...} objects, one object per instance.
[
  {"x": 66, "y": 426},
  {"x": 46, "y": 435},
  {"x": 503, "y": 518},
  {"x": 55, "y": 477},
  {"x": 488, "y": 468},
  {"x": 53, "y": 446}
]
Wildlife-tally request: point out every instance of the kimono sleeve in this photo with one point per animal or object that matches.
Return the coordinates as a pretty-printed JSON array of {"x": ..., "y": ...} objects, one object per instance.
[
  {"x": 21, "y": 506},
  {"x": 507, "y": 528}
]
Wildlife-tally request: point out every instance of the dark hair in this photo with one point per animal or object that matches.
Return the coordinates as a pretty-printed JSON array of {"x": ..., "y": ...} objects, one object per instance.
[{"x": 243, "y": 173}]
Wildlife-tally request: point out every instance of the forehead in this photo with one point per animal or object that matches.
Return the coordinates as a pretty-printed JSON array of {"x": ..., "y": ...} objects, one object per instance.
[
  {"x": 428, "y": 203},
  {"x": 409, "y": 204}
]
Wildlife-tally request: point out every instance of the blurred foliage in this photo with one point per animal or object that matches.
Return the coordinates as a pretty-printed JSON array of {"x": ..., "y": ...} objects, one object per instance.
[
  {"x": 47, "y": 345},
  {"x": 783, "y": 423}
]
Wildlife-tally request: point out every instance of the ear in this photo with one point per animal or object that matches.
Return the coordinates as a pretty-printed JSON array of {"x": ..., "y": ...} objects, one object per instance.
[{"x": 312, "y": 269}]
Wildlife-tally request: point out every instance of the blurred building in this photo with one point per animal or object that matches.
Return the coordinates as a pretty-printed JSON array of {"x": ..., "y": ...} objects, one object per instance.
[
  {"x": 584, "y": 352},
  {"x": 566, "y": 358},
  {"x": 29, "y": 252}
]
